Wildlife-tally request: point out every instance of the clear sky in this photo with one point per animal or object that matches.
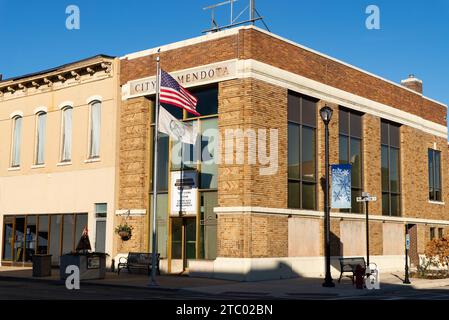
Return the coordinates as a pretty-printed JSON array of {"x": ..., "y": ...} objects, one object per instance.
[{"x": 414, "y": 35}]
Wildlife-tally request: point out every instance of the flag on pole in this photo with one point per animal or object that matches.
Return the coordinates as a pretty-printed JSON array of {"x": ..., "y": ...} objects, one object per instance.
[
  {"x": 177, "y": 130},
  {"x": 171, "y": 92}
]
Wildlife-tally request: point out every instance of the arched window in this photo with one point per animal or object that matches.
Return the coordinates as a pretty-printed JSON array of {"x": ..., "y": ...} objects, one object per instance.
[
  {"x": 16, "y": 141},
  {"x": 66, "y": 132},
  {"x": 95, "y": 125},
  {"x": 40, "y": 137}
]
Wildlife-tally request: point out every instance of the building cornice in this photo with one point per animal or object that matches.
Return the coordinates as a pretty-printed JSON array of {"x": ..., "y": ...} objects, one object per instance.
[
  {"x": 73, "y": 73},
  {"x": 320, "y": 214}
]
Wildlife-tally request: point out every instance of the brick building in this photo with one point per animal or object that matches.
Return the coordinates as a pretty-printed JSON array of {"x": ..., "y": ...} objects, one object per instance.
[
  {"x": 58, "y": 148},
  {"x": 257, "y": 212},
  {"x": 250, "y": 225}
]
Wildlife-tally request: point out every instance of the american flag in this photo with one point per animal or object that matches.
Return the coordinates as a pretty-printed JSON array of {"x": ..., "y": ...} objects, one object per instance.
[{"x": 173, "y": 93}]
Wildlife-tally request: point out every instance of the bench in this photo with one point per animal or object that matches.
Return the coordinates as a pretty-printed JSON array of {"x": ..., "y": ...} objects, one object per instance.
[
  {"x": 349, "y": 265},
  {"x": 138, "y": 260}
]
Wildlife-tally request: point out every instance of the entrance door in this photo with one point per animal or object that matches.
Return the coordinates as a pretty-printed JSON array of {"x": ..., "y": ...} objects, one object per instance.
[{"x": 183, "y": 246}]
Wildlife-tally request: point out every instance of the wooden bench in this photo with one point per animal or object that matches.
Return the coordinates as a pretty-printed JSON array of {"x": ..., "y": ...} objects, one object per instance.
[
  {"x": 350, "y": 265},
  {"x": 138, "y": 260}
]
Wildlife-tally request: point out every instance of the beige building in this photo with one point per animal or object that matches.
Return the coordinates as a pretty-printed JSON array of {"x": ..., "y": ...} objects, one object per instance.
[{"x": 58, "y": 159}]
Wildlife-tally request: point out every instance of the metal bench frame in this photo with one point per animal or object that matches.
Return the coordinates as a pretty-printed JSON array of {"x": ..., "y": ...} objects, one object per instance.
[
  {"x": 349, "y": 265},
  {"x": 138, "y": 260}
]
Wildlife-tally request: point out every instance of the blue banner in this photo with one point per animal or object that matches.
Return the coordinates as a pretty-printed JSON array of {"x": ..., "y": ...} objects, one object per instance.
[{"x": 341, "y": 186}]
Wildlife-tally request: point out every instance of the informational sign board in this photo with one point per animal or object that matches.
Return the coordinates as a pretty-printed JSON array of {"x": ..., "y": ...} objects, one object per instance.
[
  {"x": 93, "y": 262},
  {"x": 407, "y": 241},
  {"x": 341, "y": 186},
  {"x": 366, "y": 199},
  {"x": 183, "y": 193}
]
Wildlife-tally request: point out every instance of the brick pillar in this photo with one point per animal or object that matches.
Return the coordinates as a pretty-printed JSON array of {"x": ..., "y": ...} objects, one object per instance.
[
  {"x": 250, "y": 104},
  {"x": 134, "y": 166},
  {"x": 372, "y": 179}
]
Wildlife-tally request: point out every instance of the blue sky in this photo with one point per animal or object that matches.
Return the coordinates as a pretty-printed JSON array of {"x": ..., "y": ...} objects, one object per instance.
[{"x": 414, "y": 35}]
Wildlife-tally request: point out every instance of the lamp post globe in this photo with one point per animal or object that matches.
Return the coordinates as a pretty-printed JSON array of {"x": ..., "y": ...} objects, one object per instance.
[{"x": 326, "y": 116}]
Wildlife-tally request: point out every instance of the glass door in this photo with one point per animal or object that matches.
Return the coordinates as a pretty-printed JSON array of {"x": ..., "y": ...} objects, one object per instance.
[{"x": 183, "y": 240}]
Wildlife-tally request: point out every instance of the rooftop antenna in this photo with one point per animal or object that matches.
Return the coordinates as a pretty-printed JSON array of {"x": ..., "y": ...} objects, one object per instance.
[{"x": 254, "y": 16}]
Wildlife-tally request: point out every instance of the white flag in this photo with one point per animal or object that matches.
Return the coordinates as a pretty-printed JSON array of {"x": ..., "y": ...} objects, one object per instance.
[{"x": 176, "y": 129}]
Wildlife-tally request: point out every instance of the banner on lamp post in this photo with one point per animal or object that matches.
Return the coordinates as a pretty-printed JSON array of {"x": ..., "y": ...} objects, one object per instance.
[{"x": 341, "y": 186}]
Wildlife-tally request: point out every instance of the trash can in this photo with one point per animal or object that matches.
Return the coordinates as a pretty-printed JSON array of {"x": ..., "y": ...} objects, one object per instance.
[{"x": 41, "y": 265}]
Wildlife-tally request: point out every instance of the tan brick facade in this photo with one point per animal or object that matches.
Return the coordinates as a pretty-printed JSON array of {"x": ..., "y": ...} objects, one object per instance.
[
  {"x": 134, "y": 172},
  {"x": 250, "y": 103}
]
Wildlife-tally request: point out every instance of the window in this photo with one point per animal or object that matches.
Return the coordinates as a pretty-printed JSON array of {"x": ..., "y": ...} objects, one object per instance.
[
  {"x": 95, "y": 125},
  {"x": 432, "y": 233},
  {"x": 40, "y": 138},
  {"x": 201, "y": 158},
  {"x": 66, "y": 148},
  {"x": 301, "y": 152},
  {"x": 440, "y": 233},
  {"x": 101, "y": 210},
  {"x": 435, "y": 175},
  {"x": 390, "y": 164},
  {"x": 350, "y": 145},
  {"x": 16, "y": 141}
]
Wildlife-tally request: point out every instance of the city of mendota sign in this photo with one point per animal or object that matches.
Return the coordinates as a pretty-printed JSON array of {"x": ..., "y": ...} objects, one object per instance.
[{"x": 187, "y": 78}]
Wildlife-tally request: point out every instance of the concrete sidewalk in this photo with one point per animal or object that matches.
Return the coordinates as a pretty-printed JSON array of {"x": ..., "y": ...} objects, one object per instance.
[{"x": 285, "y": 289}]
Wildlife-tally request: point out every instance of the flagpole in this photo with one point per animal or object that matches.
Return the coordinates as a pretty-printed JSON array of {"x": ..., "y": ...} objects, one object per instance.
[{"x": 156, "y": 139}]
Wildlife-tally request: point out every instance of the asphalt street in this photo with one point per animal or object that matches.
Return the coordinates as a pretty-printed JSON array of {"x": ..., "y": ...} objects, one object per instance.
[{"x": 13, "y": 289}]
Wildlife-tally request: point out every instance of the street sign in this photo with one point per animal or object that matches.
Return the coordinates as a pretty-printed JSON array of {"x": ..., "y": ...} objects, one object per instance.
[
  {"x": 407, "y": 241},
  {"x": 366, "y": 199}
]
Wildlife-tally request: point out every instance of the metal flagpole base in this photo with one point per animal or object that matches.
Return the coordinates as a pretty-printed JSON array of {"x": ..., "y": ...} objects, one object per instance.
[
  {"x": 328, "y": 284},
  {"x": 153, "y": 284}
]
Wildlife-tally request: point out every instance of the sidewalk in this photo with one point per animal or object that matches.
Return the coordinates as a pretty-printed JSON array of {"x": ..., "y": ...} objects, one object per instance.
[{"x": 285, "y": 289}]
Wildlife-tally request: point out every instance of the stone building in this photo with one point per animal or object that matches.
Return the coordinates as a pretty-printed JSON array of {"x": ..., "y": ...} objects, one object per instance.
[
  {"x": 252, "y": 225},
  {"x": 58, "y": 159},
  {"x": 255, "y": 207}
]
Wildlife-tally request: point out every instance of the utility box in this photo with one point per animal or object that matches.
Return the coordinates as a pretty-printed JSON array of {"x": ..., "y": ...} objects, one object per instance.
[{"x": 41, "y": 265}]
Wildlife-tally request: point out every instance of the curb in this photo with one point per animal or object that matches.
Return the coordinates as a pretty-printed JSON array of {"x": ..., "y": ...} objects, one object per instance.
[{"x": 84, "y": 282}]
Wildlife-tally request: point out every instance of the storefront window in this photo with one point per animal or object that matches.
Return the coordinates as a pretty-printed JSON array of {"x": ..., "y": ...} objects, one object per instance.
[
  {"x": 81, "y": 222},
  {"x": 42, "y": 235},
  {"x": 161, "y": 223},
  {"x": 55, "y": 238},
  {"x": 19, "y": 239},
  {"x": 301, "y": 152},
  {"x": 350, "y": 152},
  {"x": 67, "y": 234},
  {"x": 30, "y": 238},
  {"x": 8, "y": 238}
]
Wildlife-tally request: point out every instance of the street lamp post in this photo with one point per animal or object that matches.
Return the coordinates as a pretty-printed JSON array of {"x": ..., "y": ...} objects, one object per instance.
[
  {"x": 407, "y": 248},
  {"x": 326, "y": 116}
]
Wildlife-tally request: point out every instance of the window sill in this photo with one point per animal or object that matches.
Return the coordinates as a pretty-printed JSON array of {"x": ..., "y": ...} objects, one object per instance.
[
  {"x": 441, "y": 203},
  {"x": 38, "y": 166},
  {"x": 92, "y": 160},
  {"x": 14, "y": 169},
  {"x": 62, "y": 164}
]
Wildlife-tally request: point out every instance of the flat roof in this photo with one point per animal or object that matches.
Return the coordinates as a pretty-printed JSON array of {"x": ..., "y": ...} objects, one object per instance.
[{"x": 234, "y": 31}]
